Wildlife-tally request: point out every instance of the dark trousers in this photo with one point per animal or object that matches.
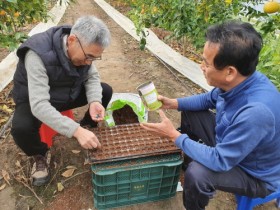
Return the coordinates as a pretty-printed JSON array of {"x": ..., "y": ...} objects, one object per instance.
[
  {"x": 25, "y": 127},
  {"x": 200, "y": 182}
]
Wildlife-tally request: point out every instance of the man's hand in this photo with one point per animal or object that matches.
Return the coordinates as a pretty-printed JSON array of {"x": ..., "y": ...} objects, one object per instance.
[
  {"x": 168, "y": 103},
  {"x": 96, "y": 111},
  {"x": 86, "y": 138},
  {"x": 165, "y": 128}
]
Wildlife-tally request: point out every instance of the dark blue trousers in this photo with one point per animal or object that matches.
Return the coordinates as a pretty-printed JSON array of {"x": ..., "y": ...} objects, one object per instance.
[{"x": 200, "y": 183}]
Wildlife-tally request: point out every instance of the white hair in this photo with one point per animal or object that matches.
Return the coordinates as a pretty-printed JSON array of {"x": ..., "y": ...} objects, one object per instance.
[{"x": 91, "y": 30}]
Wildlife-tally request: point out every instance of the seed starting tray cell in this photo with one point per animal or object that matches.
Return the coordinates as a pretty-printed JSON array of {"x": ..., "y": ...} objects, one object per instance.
[{"x": 127, "y": 142}]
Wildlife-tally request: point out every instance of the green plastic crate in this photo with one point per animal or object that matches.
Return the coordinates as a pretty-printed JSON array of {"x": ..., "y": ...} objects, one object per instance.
[{"x": 135, "y": 181}]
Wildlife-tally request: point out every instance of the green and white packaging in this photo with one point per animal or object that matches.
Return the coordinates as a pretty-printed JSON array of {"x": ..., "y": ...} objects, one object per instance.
[{"x": 119, "y": 100}]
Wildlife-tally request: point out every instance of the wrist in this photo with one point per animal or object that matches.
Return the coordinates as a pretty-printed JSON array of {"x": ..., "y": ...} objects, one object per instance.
[
  {"x": 175, "y": 135},
  {"x": 93, "y": 102},
  {"x": 174, "y": 104},
  {"x": 77, "y": 132}
]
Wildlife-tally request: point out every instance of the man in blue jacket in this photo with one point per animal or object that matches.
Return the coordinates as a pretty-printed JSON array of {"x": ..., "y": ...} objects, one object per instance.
[
  {"x": 240, "y": 152},
  {"x": 56, "y": 72}
]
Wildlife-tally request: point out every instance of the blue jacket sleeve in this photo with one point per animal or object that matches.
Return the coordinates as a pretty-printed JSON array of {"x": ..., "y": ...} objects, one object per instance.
[
  {"x": 248, "y": 128},
  {"x": 199, "y": 102}
]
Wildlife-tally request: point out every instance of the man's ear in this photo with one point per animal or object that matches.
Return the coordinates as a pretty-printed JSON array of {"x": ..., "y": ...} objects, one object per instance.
[
  {"x": 71, "y": 39},
  {"x": 231, "y": 73}
]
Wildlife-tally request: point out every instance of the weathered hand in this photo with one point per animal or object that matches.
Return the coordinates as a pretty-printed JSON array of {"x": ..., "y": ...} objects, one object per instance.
[
  {"x": 165, "y": 128},
  {"x": 97, "y": 111},
  {"x": 86, "y": 138},
  {"x": 168, "y": 103}
]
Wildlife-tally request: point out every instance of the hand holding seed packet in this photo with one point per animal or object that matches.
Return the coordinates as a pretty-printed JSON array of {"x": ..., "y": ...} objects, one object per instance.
[{"x": 149, "y": 96}]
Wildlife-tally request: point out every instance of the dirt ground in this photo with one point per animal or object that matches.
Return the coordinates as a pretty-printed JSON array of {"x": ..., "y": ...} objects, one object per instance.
[{"x": 124, "y": 67}]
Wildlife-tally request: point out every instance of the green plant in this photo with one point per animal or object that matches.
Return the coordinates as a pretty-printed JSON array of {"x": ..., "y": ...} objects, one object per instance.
[
  {"x": 270, "y": 59},
  {"x": 191, "y": 18},
  {"x": 17, "y": 15},
  {"x": 187, "y": 19}
]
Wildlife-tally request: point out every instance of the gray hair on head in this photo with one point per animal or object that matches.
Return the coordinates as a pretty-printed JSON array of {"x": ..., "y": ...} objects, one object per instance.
[{"x": 91, "y": 30}]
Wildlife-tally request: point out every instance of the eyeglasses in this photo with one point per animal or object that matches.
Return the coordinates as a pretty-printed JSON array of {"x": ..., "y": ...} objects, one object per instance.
[
  {"x": 88, "y": 57},
  {"x": 205, "y": 63}
]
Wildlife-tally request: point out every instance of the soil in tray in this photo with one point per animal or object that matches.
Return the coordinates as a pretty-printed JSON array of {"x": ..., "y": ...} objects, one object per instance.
[{"x": 129, "y": 141}]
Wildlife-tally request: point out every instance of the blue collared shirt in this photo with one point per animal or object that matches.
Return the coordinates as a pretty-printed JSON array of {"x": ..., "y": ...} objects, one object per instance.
[{"x": 247, "y": 129}]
